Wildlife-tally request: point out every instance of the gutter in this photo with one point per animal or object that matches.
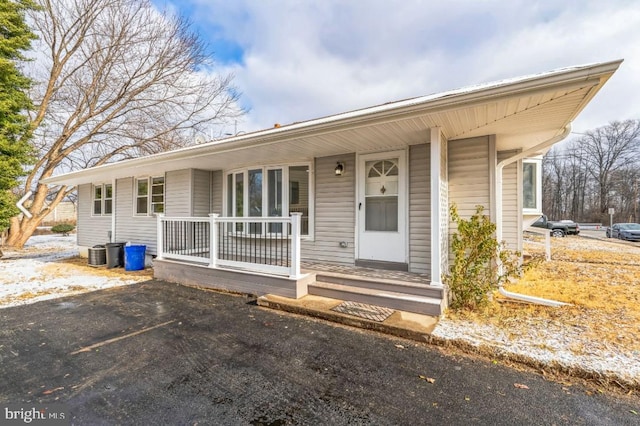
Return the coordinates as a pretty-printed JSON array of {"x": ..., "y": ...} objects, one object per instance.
[{"x": 499, "y": 170}]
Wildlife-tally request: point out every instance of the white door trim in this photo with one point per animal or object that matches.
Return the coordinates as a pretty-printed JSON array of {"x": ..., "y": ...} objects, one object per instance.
[{"x": 403, "y": 191}]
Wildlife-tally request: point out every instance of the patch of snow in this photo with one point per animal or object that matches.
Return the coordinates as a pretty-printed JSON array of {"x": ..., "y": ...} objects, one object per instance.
[
  {"x": 26, "y": 276},
  {"x": 52, "y": 241},
  {"x": 552, "y": 344}
]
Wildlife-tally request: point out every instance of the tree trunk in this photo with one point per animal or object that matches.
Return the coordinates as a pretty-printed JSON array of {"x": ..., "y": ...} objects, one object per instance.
[
  {"x": 22, "y": 229},
  {"x": 26, "y": 230}
]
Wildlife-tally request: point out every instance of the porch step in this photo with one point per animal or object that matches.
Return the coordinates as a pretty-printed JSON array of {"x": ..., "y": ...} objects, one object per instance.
[
  {"x": 389, "y": 299},
  {"x": 382, "y": 284}
]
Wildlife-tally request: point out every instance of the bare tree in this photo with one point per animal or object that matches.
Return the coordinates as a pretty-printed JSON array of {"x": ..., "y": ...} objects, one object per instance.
[
  {"x": 593, "y": 173},
  {"x": 553, "y": 184},
  {"x": 624, "y": 186},
  {"x": 578, "y": 180},
  {"x": 609, "y": 149},
  {"x": 117, "y": 80}
]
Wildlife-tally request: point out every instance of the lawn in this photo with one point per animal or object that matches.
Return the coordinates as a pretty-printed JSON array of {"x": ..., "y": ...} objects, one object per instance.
[{"x": 596, "y": 335}]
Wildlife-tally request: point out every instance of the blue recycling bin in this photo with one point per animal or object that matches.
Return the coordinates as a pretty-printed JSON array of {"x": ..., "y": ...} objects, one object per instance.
[{"x": 134, "y": 258}]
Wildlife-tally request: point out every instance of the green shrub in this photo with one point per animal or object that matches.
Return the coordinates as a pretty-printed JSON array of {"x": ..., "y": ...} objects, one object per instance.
[
  {"x": 62, "y": 228},
  {"x": 475, "y": 270}
]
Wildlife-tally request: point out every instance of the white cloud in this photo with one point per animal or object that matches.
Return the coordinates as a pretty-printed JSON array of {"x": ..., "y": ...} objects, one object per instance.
[{"x": 308, "y": 59}]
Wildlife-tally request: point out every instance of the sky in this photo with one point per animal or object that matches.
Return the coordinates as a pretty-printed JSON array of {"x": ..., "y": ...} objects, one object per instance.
[{"x": 297, "y": 60}]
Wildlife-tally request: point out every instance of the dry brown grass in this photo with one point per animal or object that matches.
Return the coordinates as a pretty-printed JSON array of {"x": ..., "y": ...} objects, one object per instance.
[
  {"x": 81, "y": 265},
  {"x": 601, "y": 281}
]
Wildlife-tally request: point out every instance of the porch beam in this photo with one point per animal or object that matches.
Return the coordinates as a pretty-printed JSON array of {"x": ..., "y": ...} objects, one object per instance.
[{"x": 436, "y": 210}]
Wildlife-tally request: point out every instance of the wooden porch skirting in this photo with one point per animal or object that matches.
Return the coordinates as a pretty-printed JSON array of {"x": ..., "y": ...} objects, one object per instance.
[{"x": 237, "y": 281}]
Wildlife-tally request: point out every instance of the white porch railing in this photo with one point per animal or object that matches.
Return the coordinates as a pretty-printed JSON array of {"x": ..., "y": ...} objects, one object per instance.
[{"x": 260, "y": 244}]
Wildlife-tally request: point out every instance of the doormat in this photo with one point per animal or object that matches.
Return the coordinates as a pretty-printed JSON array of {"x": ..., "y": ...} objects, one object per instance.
[{"x": 370, "y": 312}]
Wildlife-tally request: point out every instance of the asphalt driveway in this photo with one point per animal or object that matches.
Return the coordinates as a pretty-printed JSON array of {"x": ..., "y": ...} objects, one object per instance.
[{"x": 159, "y": 353}]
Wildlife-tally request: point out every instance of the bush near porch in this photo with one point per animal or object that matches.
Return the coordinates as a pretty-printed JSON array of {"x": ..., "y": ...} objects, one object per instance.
[{"x": 474, "y": 271}]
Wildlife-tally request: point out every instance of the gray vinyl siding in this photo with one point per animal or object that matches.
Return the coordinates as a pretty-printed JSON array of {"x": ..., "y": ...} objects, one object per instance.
[
  {"x": 177, "y": 193},
  {"x": 419, "y": 209},
  {"x": 201, "y": 193},
  {"x": 187, "y": 193},
  {"x": 334, "y": 212},
  {"x": 216, "y": 191},
  {"x": 92, "y": 230},
  {"x": 469, "y": 175},
  {"x": 511, "y": 205},
  {"x": 131, "y": 228}
]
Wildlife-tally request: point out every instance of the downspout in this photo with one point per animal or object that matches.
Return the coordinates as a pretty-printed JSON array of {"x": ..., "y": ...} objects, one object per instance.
[
  {"x": 113, "y": 210},
  {"x": 499, "y": 169}
]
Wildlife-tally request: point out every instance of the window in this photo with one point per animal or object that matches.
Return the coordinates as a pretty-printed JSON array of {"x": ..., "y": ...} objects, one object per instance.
[
  {"x": 299, "y": 195},
  {"x": 142, "y": 196},
  {"x": 149, "y": 196},
  {"x": 532, "y": 185},
  {"x": 108, "y": 199},
  {"x": 255, "y": 199},
  {"x": 381, "y": 196},
  {"x": 269, "y": 192},
  {"x": 157, "y": 195},
  {"x": 97, "y": 200},
  {"x": 102, "y": 199}
]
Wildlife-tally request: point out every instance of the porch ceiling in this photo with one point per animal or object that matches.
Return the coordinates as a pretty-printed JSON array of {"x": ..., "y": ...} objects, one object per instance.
[{"x": 521, "y": 114}]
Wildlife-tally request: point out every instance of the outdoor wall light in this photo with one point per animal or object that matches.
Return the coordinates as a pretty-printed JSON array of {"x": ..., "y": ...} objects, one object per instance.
[{"x": 339, "y": 169}]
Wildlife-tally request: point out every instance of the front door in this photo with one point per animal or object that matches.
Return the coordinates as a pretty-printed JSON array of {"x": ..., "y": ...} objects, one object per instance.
[{"x": 382, "y": 207}]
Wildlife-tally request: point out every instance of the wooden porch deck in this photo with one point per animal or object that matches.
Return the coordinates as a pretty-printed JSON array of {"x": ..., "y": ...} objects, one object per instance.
[{"x": 359, "y": 271}]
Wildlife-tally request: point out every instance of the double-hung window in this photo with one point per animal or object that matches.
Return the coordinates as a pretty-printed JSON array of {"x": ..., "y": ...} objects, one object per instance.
[
  {"x": 102, "y": 199},
  {"x": 149, "y": 196},
  {"x": 274, "y": 191},
  {"x": 532, "y": 185}
]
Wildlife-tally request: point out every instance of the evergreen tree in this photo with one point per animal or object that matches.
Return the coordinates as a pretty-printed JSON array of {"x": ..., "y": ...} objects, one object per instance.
[{"x": 15, "y": 38}]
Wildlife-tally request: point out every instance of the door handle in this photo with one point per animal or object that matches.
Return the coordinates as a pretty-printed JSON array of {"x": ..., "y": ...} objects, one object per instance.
[{"x": 359, "y": 206}]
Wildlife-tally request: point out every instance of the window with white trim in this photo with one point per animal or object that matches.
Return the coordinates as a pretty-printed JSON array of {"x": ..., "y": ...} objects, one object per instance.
[
  {"x": 532, "y": 185},
  {"x": 102, "y": 199},
  {"x": 149, "y": 196},
  {"x": 275, "y": 191}
]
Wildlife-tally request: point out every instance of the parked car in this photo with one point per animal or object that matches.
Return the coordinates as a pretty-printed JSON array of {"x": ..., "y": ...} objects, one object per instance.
[
  {"x": 557, "y": 229},
  {"x": 625, "y": 231},
  {"x": 572, "y": 227}
]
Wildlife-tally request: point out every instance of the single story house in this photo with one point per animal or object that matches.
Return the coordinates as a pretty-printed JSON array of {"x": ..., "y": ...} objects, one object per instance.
[{"x": 366, "y": 190}]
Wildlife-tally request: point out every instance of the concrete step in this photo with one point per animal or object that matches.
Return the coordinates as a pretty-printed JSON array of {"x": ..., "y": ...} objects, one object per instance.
[
  {"x": 382, "y": 284},
  {"x": 389, "y": 299}
]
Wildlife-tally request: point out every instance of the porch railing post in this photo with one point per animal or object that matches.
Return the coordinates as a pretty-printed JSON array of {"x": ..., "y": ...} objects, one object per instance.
[
  {"x": 295, "y": 244},
  {"x": 213, "y": 240},
  {"x": 159, "y": 236}
]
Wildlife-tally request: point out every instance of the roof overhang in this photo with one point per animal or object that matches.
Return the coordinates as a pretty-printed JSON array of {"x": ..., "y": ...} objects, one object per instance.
[{"x": 521, "y": 112}]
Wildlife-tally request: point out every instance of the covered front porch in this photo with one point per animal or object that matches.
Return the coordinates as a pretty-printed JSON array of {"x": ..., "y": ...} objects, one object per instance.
[{"x": 261, "y": 256}]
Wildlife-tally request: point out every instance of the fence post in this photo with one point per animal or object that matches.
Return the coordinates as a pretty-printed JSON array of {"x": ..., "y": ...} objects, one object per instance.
[
  {"x": 547, "y": 246},
  {"x": 159, "y": 236},
  {"x": 295, "y": 244},
  {"x": 213, "y": 239}
]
